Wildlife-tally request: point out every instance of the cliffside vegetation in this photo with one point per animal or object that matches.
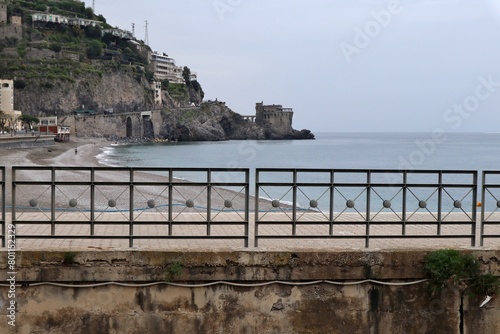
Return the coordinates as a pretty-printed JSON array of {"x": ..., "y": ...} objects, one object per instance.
[
  {"x": 59, "y": 68},
  {"x": 56, "y": 59}
]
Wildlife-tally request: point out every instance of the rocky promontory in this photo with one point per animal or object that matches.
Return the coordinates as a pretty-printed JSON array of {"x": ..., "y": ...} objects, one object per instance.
[
  {"x": 216, "y": 121},
  {"x": 70, "y": 66}
]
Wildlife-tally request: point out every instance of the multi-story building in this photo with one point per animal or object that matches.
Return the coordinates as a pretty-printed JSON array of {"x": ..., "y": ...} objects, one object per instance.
[
  {"x": 7, "y": 103},
  {"x": 7, "y": 96},
  {"x": 164, "y": 68}
]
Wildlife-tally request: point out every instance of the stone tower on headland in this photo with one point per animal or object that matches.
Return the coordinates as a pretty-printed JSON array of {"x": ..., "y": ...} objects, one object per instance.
[{"x": 275, "y": 116}]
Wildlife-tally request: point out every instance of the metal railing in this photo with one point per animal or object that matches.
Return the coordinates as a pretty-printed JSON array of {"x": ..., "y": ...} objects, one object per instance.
[
  {"x": 159, "y": 203},
  {"x": 350, "y": 204},
  {"x": 48, "y": 201},
  {"x": 490, "y": 206}
]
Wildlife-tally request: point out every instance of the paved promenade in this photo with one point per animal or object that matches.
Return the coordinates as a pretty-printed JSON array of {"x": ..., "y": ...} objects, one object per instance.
[{"x": 312, "y": 231}]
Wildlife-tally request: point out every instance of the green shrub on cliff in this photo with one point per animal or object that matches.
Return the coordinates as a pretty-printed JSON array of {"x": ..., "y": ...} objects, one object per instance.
[{"x": 450, "y": 267}]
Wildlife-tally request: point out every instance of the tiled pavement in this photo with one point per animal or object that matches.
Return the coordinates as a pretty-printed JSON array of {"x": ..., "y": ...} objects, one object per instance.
[{"x": 347, "y": 232}]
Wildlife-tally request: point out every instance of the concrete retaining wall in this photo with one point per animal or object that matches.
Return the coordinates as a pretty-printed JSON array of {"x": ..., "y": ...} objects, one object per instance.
[
  {"x": 26, "y": 142},
  {"x": 303, "y": 302},
  {"x": 114, "y": 125}
]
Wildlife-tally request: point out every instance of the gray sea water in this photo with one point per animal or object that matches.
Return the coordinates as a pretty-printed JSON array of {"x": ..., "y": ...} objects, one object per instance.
[
  {"x": 395, "y": 151},
  {"x": 470, "y": 151}
]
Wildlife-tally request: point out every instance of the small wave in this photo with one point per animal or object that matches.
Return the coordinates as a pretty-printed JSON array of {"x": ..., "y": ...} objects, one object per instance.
[{"x": 104, "y": 157}]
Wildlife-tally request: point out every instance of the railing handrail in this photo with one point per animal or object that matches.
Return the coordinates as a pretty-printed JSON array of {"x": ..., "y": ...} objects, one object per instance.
[{"x": 306, "y": 200}]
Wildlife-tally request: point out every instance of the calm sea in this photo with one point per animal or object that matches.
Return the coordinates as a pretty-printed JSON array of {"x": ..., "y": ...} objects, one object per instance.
[
  {"x": 451, "y": 151},
  {"x": 471, "y": 151}
]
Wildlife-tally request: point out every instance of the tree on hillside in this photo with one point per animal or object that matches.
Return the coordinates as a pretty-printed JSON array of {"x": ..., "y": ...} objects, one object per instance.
[
  {"x": 164, "y": 84},
  {"x": 94, "y": 49},
  {"x": 89, "y": 12},
  {"x": 186, "y": 74},
  {"x": 29, "y": 120},
  {"x": 93, "y": 32}
]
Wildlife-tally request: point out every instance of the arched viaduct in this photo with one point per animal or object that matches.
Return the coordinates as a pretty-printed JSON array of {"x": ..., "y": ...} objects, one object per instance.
[{"x": 122, "y": 125}]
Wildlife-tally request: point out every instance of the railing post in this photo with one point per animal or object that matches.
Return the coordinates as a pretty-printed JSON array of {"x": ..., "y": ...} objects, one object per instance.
[
  {"x": 440, "y": 202},
  {"x": 13, "y": 201},
  {"x": 92, "y": 201},
  {"x": 331, "y": 201},
  {"x": 474, "y": 209},
  {"x": 131, "y": 208},
  {"x": 53, "y": 202},
  {"x": 247, "y": 206},
  {"x": 403, "y": 208},
  {"x": 170, "y": 200},
  {"x": 256, "y": 213},
  {"x": 294, "y": 201},
  {"x": 368, "y": 204},
  {"x": 483, "y": 204},
  {"x": 209, "y": 201}
]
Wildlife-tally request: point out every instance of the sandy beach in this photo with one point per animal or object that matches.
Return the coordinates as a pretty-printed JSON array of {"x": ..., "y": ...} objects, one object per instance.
[
  {"x": 60, "y": 154},
  {"x": 63, "y": 154}
]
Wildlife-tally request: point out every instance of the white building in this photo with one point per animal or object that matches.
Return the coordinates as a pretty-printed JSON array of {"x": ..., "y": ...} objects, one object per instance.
[
  {"x": 60, "y": 19},
  {"x": 7, "y": 103},
  {"x": 118, "y": 33},
  {"x": 7, "y": 96},
  {"x": 164, "y": 68},
  {"x": 156, "y": 86}
]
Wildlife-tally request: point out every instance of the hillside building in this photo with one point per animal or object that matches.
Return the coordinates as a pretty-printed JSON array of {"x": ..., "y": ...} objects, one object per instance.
[
  {"x": 120, "y": 33},
  {"x": 164, "y": 67},
  {"x": 16, "y": 20},
  {"x": 41, "y": 20},
  {"x": 3, "y": 12},
  {"x": 156, "y": 86},
  {"x": 7, "y": 96},
  {"x": 7, "y": 103}
]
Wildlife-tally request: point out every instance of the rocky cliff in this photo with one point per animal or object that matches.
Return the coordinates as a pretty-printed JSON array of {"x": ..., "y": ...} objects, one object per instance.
[
  {"x": 58, "y": 69},
  {"x": 109, "y": 89},
  {"x": 216, "y": 121}
]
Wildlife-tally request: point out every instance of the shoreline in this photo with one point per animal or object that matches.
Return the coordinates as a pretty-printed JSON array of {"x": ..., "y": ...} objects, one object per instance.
[{"x": 59, "y": 154}]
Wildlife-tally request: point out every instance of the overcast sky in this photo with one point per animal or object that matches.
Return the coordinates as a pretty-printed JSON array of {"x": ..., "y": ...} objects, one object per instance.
[{"x": 342, "y": 65}]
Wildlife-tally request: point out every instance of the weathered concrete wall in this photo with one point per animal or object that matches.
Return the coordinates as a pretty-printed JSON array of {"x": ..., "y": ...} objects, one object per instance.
[
  {"x": 26, "y": 142},
  {"x": 276, "y": 308},
  {"x": 10, "y": 31}
]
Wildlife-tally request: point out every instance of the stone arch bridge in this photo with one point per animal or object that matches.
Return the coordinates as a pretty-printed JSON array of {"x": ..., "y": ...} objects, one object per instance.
[{"x": 138, "y": 124}]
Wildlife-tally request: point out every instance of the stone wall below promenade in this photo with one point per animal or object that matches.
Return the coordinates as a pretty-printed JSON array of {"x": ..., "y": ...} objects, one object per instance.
[
  {"x": 26, "y": 141},
  {"x": 263, "y": 292}
]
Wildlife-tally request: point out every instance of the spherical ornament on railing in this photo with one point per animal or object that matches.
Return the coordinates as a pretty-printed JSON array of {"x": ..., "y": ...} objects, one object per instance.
[
  {"x": 457, "y": 204},
  {"x": 190, "y": 203},
  {"x": 33, "y": 202},
  {"x": 386, "y": 204},
  {"x": 313, "y": 203},
  {"x": 228, "y": 203},
  {"x": 276, "y": 203},
  {"x": 111, "y": 203},
  {"x": 73, "y": 202},
  {"x": 498, "y": 204},
  {"x": 422, "y": 204},
  {"x": 350, "y": 204},
  {"x": 151, "y": 203}
]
